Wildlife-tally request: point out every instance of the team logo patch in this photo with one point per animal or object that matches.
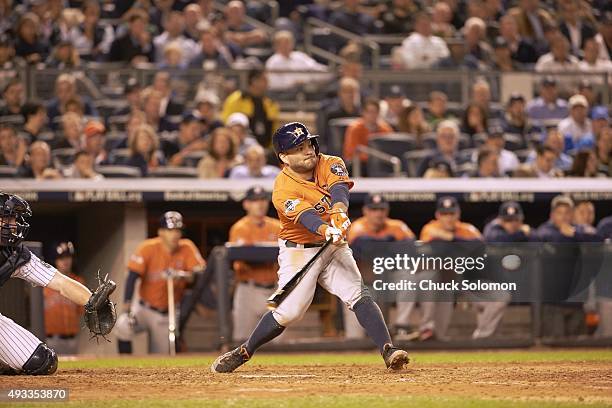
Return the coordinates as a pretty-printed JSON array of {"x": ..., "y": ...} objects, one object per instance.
[
  {"x": 338, "y": 169},
  {"x": 291, "y": 205}
]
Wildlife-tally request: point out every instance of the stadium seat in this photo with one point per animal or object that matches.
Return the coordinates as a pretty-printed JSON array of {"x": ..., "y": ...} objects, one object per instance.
[
  {"x": 337, "y": 127},
  {"x": 514, "y": 141},
  {"x": 63, "y": 157},
  {"x": 466, "y": 155},
  {"x": 12, "y": 120},
  {"x": 118, "y": 123},
  {"x": 466, "y": 169},
  {"x": 113, "y": 171},
  {"x": 413, "y": 158},
  {"x": 174, "y": 172},
  {"x": 119, "y": 156},
  {"x": 192, "y": 159},
  {"x": 8, "y": 172},
  {"x": 393, "y": 143}
]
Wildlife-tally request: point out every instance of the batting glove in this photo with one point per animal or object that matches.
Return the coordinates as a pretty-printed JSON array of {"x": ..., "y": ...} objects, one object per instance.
[
  {"x": 340, "y": 220},
  {"x": 336, "y": 235}
]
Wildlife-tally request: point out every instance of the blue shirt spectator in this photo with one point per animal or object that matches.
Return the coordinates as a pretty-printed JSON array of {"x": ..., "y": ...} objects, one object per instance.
[{"x": 547, "y": 106}]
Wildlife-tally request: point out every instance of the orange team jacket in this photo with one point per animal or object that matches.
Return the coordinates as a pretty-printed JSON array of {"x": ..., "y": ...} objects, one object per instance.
[
  {"x": 293, "y": 195},
  {"x": 62, "y": 316},
  {"x": 357, "y": 134},
  {"x": 463, "y": 230},
  {"x": 247, "y": 232},
  {"x": 395, "y": 228},
  {"x": 152, "y": 259}
]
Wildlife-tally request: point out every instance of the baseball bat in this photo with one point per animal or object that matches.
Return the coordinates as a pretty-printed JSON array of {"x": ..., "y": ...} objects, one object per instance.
[
  {"x": 281, "y": 293},
  {"x": 171, "y": 314}
]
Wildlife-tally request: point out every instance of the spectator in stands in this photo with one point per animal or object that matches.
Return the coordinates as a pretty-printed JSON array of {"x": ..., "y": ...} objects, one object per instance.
[
  {"x": 72, "y": 132},
  {"x": 421, "y": 50},
  {"x": 206, "y": 112},
  {"x": 437, "y": 109},
  {"x": 481, "y": 96},
  {"x": 285, "y": 58},
  {"x": 174, "y": 25},
  {"x": 91, "y": 38},
  {"x": 260, "y": 109},
  {"x": 172, "y": 58},
  {"x": 439, "y": 168},
  {"x": 398, "y": 17},
  {"x": 474, "y": 120},
  {"x": 8, "y": 61},
  {"x": 12, "y": 147},
  {"x": 584, "y": 215},
  {"x": 441, "y": 18},
  {"x": 565, "y": 319},
  {"x": 194, "y": 19},
  {"x": 94, "y": 142},
  {"x": 169, "y": 105},
  {"x": 213, "y": 54},
  {"x": 558, "y": 59},
  {"x": 30, "y": 45},
  {"x": 346, "y": 104},
  {"x": 63, "y": 56},
  {"x": 604, "y": 37},
  {"x": 350, "y": 18},
  {"x": 221, "y": 157},
  {"x": 131, "y": 91},
  {"x": 458, "y": 58},
  {"x": 12, "y": 98},
  {"x": 254, "y": 165},
  {"x": 603, "y": 151},
  {"x": 240, "y": 32},
  {"x": 515, "y": 119},
  {"x": 392, "y": 106},
  {"x": 532, "y": 20},
  {"x": 447, "y": 141},
  {"x": 522, "y": 49},
  {"x": 554, "y": 139},
  {"x": 474, "y": 32},
  {"x": 412, "y": 121},
  {"x": 135, "y": 45},
  {"x": 35, "y": 119},
  {"x": 592, "y": 62},
  {"x": 574, "y": 27},
  {"x": 507, "y": 160},
  {"x": 362, "y": 129},
  {"x": 576, "y": 128},
  {"x": 547, "y": 106},
  {"x": 66, "y": 90},
  {"x": 508, "y": 226},
  {"x": 586, "y": 89},
  {"x": 239, "y": 124},
  {"x": 152, "y": 107},
  {"x": 38, "y": 164},
  {"x": 82, "y": 167},
  {"x": 542, "y": 167},
  {"x": 189, "y": 140},
  {"x": 584, "y": 164},
  {"x": 143, "y": 150},
  {"x": 502, "y": 57},
  {"x": 487, "y": 163}
]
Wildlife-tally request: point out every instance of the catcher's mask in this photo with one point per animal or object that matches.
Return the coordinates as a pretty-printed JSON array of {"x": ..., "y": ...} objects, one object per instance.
[{"x": 14, "y": 212}]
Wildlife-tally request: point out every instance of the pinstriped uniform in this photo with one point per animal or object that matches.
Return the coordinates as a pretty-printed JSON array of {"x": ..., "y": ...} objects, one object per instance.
[{"x": 16, "y": 343}]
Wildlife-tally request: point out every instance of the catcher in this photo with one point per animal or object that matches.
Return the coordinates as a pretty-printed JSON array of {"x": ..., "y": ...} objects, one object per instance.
[{"x": 20, "y": 351}]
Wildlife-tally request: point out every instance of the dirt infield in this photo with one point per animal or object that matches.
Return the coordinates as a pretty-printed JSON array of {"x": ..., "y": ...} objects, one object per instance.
[{"x": 574, "y": 382}]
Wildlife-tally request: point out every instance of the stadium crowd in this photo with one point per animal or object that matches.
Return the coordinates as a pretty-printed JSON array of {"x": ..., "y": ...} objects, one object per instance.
[{"x": 225, "y": 129}]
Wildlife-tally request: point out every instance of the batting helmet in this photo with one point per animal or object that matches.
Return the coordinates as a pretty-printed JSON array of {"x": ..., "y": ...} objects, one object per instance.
[
  {"x": 14, "y": 212},
  {"x": 171, "y": 220},
  {"x": 291, "y": 135}
]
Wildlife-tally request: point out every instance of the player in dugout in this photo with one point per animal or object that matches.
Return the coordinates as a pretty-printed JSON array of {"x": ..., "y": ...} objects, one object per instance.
[
  {"x": 254, "y": 281},
  {"x": 151, "y": 263}
]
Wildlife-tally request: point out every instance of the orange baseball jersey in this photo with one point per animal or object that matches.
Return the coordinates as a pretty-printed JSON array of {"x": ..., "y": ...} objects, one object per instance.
[
  {"x": 463, "y": 230},
  {"x": 247, "y": 232},
  {"x": 395, "y": 228},
  {"x": 293, "y": 195},
  {"x": 151, "y": 261},
  {"x": 62, "y": 316}
]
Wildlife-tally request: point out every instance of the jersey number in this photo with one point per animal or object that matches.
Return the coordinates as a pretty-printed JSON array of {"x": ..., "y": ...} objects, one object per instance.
[{"x": 320, "y": 206}]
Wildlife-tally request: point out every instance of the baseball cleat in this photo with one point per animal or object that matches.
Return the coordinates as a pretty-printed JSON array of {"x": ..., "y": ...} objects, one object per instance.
[
  {"x": 228, "y": 362},
  {"x": 395, "y": 358},
  {"x": 6, "y": 370}
]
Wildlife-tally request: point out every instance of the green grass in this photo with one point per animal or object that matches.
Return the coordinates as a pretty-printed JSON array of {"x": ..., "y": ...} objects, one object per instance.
[
  {"x": 355, "y": 358},
  {"x": 326, "y": 401}
]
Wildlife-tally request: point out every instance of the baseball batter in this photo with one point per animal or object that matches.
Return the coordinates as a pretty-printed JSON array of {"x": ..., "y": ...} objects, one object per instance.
[
  {"x": 20, "y": 351},
  {"x": 311, "y": 196}
]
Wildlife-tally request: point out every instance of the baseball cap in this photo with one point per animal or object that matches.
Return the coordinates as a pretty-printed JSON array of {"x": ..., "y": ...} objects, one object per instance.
[
  {"x": 395, "y": 92},
  {"x": 131, "y": 85},
  {"x": 510, "y": 210},
  {"x": 171, "y": 220},
  {"x": 256, "y": 193},
  {"x": 94, "y": 127},
  {"x": 515, "y": 96},
  {"x": 548, "y": 81},
  {"x": 188, "y": 118},
  {"x": 495, "y": 131},
  {"x": 64, "y": 249},
  {"x": 578, "y": 100},
  {"x": 600, "y": 112},
  {"x": 376, "y": 201},
  {"x": 239, "y": 119},
  {"x": 447, "y": 204},
  {"x": 441, "y": 164},
  {"x": 561, "y": 200}
]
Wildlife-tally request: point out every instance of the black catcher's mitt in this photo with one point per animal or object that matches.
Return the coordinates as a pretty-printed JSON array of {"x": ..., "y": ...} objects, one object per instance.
[{"x": 100, "y": 315}]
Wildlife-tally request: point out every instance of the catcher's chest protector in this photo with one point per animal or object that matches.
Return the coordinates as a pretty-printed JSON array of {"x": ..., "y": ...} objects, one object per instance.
[{"x": 11, "y": 259}]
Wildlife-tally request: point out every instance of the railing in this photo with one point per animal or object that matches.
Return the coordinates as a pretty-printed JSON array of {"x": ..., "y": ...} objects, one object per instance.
[{"x": 394, "y": 161}]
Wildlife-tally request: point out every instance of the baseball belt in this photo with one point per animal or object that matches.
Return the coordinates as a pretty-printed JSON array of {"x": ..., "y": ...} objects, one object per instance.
[{"x": 291, "y": 244}]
